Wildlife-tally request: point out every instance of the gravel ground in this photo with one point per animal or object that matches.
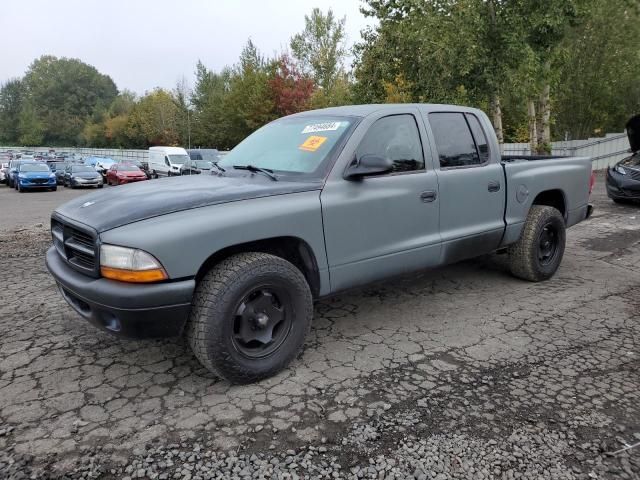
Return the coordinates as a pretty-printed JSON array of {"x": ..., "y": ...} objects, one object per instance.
[{"x": 460, "y": 372}]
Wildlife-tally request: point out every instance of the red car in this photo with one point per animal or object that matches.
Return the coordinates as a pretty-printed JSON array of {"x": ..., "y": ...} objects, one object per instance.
[{"x": 121, "y": 173}]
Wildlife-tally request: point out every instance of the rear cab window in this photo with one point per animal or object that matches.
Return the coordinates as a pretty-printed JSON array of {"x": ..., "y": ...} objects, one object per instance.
[{"x": 459, "y": 139}]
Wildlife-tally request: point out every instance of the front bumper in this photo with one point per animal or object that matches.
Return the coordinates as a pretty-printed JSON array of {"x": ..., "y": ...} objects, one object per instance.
[
  {"x": 127, "y": 310},
  {"x": 124, "y": 181},
  {"x": 29, "y": 185},
  {"x": 622, "y": 187},
  {"x": 86, "y": 183}
]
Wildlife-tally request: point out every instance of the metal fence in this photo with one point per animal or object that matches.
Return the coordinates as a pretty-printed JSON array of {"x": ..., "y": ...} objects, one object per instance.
[{"x": 604, "y": 151}]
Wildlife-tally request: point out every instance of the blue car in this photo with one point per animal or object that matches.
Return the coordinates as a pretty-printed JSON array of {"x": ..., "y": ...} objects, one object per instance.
[{"x": 35, "y": 176}]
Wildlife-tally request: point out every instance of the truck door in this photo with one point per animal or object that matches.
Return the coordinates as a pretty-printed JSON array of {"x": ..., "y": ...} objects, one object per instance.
[
  {"x": 472, "y": 186},
  {"x": 386, "y": 224}
]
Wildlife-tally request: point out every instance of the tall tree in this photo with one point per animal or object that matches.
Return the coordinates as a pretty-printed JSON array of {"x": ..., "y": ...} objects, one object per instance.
[
  {"x": 291, "y": 90},
  {"x": 208, "y": 98},
  {"x": 320, "y": 47},
  {"x": 11, "y": 101},
  {"x": 155, "y": 120},
  {"x": 65, "y": 93},
  {"x": 31, "y": 128},
  {"x": 596, "y": 81}
]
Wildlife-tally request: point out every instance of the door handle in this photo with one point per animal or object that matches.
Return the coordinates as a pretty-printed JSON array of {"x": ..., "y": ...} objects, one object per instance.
[
  {"x": 428, "y": 196},
  {"x": 494, "y": 186}
]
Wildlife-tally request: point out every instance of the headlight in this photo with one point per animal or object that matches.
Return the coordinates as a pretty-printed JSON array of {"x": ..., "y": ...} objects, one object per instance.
[
  {"x": 130, "y": 265},
  {"x": 53, "y": 175},
  {"x": 620, "y": 170}
]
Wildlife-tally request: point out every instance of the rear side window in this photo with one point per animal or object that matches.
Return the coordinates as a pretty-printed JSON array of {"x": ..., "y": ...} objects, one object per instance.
[
  {"x": 478, "y": 135},
  {"x": 454, "y": 141},
  {"x": 396, "y": 138}
]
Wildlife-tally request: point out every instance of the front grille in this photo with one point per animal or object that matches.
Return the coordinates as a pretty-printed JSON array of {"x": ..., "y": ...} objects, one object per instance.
[
  {"x": 76, "y": 245},
  {"x": 39, "y": 181}
]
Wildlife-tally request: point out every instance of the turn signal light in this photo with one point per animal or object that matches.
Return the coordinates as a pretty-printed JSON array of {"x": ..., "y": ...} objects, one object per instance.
[{"x": 134, "y": 276}]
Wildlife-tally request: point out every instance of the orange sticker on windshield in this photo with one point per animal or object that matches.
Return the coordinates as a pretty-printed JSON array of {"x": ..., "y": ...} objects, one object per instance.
[{"x": 312, "y": 143}]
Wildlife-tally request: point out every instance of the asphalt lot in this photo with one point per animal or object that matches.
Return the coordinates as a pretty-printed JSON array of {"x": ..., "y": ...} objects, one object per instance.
[{"x": 459, "y": 372}]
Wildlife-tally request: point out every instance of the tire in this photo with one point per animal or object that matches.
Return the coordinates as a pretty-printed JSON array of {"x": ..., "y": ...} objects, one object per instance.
[
  {"x": 530, "y": 258},
  {"x": 101, "y": 185},
  {"x": 621, "y": 201},
  {"x": 230, "y": 288},
  {"x": 54, "y": 189}
]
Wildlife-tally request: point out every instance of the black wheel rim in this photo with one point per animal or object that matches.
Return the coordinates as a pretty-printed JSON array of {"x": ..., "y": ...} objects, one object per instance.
[
  {"x": 262, "y": 321},
  {"x": 548, "y": 244}
]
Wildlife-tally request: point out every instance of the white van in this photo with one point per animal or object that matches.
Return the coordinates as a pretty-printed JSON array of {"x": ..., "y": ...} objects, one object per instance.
[{"x": 166, "y": 161}]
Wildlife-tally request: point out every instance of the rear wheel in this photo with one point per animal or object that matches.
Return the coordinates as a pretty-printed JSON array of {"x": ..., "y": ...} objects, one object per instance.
[
  {"x": 537, "y": 254},
  {"x": 250, "y": 316}
]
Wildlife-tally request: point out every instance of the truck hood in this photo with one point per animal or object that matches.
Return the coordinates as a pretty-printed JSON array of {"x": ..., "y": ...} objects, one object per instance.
[{"x": 114, "y": 207}]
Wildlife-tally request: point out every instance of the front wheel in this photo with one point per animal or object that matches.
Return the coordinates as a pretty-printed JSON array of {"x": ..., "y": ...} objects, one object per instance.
[
  {"x": 250, "y": 316},
  {"x": 536, "y": 256}
]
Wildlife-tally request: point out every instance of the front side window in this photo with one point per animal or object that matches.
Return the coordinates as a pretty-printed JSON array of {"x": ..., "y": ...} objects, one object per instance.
[
  {"x": 453, "y": 140},
  {"x": 397, "y": 139}
]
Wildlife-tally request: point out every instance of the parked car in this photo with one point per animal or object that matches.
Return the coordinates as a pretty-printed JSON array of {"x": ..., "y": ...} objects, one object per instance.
[
  {"x": 166, "y": 161},
  {"x": 351, "y": 195},
  {"x": 4, "y": 172},
  {"x": 58, "y": 168},
  {"x": 209, "y": 154},
  {"x": 100, "y": 165},
  {"x": 12, "y": 173},
  {"x": 121, "y": 173},
  {"x": 144, "y": 166},
  {"x": 76, "y": 176},
  {"x": 623, "y": 179},
  {"x": 35, "y": 176},
  {"x": 196, "y": 167}
]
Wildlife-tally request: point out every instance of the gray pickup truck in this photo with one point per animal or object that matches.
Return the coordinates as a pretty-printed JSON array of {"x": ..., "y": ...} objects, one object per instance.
[{"x": 309, "y": 205}]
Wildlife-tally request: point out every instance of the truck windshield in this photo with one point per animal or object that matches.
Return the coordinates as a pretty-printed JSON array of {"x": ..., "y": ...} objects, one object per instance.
[{"x": 298, "y": 145}]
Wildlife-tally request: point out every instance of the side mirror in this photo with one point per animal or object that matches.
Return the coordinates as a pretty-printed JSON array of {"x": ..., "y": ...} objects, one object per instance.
[{"x": 368, "y": 165}]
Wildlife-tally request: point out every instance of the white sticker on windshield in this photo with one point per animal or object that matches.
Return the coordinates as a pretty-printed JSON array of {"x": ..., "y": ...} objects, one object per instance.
[{"x": 322, "y": 127}]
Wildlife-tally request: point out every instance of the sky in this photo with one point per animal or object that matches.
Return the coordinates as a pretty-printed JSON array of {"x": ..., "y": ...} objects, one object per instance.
[{"x": 143, "y": 44}]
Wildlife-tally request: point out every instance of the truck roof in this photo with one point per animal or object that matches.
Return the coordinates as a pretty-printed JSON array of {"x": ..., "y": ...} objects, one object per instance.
[{"x": 365, "y": 110}]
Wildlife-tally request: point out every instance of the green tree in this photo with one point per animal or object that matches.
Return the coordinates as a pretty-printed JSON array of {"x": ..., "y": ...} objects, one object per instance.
[
  {"x": 248, "y": 105},
  {"x": 464, "y": 51},
  {"x": 11, "y": 100},
  {"x": 31, "y": 128},
  {"x": 207, "y": 100},
  {"x": 597, "y": 87},
  {"x": 320, "y": 47},
  {"x": 65, "y": 93},
  {"x": 154, "y": 120}
]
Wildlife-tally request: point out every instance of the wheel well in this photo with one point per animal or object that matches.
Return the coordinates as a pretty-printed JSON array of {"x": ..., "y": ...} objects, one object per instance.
[
  {"x": 552, "y": 198},
  {"x": 292, "y": 249}
]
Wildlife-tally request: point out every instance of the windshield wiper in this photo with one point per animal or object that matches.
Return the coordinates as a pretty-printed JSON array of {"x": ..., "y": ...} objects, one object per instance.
[
  {"x": 219, "y": 167},
  {"x": 254, "y": 169}
]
